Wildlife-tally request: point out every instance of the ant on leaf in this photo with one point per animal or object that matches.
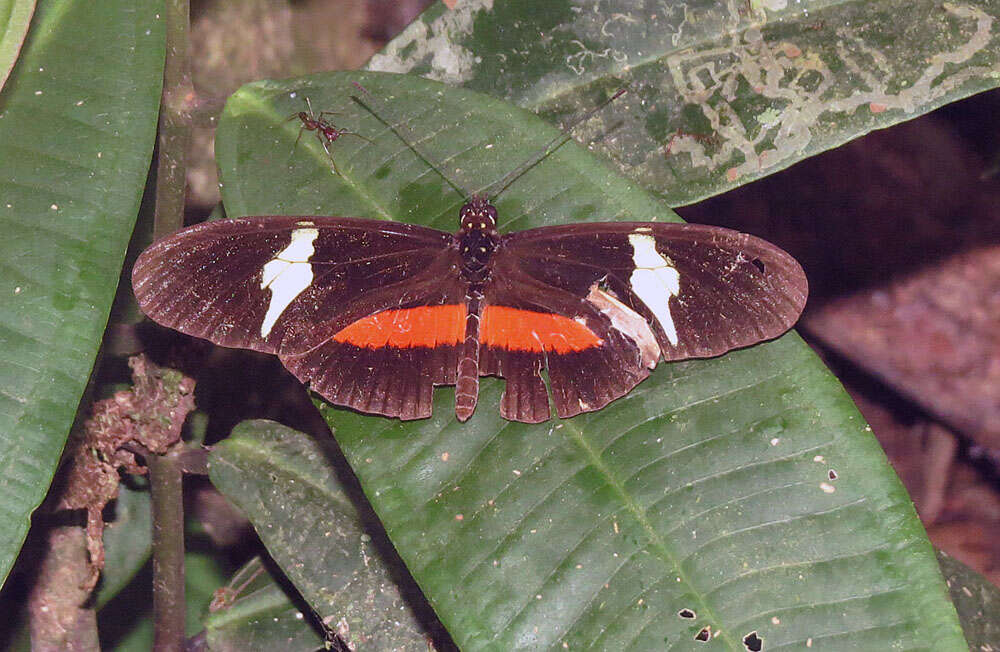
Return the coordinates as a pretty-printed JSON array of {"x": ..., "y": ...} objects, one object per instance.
[{"x": 325, "y": 131}]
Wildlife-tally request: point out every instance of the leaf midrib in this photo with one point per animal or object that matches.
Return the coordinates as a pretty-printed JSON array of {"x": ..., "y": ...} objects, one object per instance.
[{"x": 657, "y": 542}]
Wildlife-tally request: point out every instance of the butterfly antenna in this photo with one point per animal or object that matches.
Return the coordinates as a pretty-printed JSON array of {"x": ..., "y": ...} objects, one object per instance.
[
  {"x": 387, "y": 117},
  {"x": 551, "y": 146}
]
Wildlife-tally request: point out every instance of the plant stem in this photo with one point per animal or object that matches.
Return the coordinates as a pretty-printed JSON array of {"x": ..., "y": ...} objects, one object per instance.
[
  {"x": 175, "y": 122},
  {"x": 166, "y": 483},
  {"x": 165, "y": 473}
]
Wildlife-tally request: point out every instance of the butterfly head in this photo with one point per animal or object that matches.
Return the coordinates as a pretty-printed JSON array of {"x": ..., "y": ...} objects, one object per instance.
[{"x": 478, "y": 214}]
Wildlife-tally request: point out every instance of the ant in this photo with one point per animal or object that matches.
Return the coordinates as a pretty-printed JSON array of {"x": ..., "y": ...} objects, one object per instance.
[{"x": 325, "y": 131}]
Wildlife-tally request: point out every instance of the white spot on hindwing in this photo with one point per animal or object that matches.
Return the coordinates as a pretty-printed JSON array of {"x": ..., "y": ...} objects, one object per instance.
[
  {"x": 628, "y": 322},
  {"x": 287, "y": 275},
  {"x": 654, "y": 281}
]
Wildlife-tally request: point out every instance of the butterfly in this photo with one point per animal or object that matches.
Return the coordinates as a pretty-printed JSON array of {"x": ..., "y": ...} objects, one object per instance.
[{"x": 374, "y": 314}]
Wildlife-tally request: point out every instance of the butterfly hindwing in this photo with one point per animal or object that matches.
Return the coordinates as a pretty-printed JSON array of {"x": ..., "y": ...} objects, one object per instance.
[
  {"x": 389, "y": 362},
  {"x": 528, "y": 326}
]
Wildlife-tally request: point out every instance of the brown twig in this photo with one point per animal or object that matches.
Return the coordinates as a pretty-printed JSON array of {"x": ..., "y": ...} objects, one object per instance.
[
  {"x": 59, "y": 619},
  {"x": 166, "y": 481}
]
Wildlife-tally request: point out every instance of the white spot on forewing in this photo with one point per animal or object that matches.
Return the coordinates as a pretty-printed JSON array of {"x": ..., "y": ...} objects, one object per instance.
[
  {"x": 287, "y": 275},
  {"x": 654, "y": 281}
]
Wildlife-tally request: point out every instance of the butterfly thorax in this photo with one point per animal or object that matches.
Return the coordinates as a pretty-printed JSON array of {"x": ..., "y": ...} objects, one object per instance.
[{"x": 477, "y": 238}]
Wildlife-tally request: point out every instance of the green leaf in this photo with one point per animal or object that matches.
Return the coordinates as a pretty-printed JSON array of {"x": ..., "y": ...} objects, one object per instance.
[
  {"x": 203, "y": 573},
  {"x": 977, "y": 601},
  {"x": 77, "y": 120},
  {"x": 282, "y": 480},
  {"x": 127, "y": 542},
  {"x": 260, "y": 616},
  {"x": 756, "y": 85},
  {"x": 707, "y": 488},
  {"x": 15, "y": 16}
]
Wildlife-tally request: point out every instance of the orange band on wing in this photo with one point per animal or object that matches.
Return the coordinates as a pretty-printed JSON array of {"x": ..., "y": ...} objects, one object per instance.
[
  {"x": 525, "y": 330},
  {"x": 426, "y": 326}
]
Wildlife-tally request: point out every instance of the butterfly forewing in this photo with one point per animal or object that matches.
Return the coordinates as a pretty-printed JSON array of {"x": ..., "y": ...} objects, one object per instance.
[
  {"x": 295, "y": 285},
  {"x": 703, "y": 290},
  {"x": 284, "y": 284}
]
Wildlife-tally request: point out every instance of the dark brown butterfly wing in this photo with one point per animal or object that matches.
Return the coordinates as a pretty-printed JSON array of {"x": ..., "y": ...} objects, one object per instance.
[{"x": 647, "y": 291}]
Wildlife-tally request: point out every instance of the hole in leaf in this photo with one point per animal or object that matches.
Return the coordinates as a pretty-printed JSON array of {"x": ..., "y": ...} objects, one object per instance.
[
  {"x": 753, "y": 643},
  {"x": 686, "y": 613},
  {"x": 759, "y": 264},
  {"x": 704, "y": 635},
  {"x": 833, "y": 475}
]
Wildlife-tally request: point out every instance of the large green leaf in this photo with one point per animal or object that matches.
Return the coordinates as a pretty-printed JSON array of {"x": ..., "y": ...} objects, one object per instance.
[
  {"x": 77, "y": 120},
  {"x": 707, "y": 488},
  {"x": 757, "y": 84},
  {"x": 281, "y": 480}
]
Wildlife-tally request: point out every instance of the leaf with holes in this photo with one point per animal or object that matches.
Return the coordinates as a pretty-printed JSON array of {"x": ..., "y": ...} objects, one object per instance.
[{"x": 745, "y": 489}]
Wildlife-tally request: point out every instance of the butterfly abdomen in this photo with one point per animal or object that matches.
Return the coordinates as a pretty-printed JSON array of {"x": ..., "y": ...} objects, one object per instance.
[{"x": 467, "y": 382}]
